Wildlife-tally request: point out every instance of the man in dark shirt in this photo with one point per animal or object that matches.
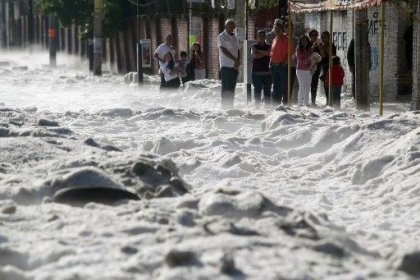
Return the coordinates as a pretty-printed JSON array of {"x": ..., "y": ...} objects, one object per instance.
[
  {"x": 261, "y": 75},
  {"x": 313, "y": 36},
  {"x": 352, "y": 64}
]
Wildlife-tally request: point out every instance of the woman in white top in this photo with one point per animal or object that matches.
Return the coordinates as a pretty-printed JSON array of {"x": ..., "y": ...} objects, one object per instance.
[
  {"x": 160, "y": 52},
  {"x": 170, "y": 71},
  {"x": 199, "y": 62}
]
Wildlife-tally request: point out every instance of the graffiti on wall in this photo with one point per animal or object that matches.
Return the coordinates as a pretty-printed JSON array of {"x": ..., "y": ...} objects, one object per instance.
[
  {"x": 375, "y": 24},
  {"x": 340, "y": 40}
]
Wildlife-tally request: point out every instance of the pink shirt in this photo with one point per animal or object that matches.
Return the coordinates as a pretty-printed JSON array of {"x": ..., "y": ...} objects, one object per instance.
[
  {"x": 278, "y": 52},
  {"x": 302, "y": 57}
]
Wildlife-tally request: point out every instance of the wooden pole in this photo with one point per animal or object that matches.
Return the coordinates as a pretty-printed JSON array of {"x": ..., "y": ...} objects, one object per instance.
[
  {"x": 362, "y": 60},
  {"x": 31, "y": 24},
  {"x": 3, "y": 26},
  {"x": 189, "y": 26},
  {"x": 330, "y": 94},
  {"x": 139, "y": 64},
  {"x": 52, "y": 36},
  {"x": 97, "y": 39},
  {"x": 381, "y": 82}
]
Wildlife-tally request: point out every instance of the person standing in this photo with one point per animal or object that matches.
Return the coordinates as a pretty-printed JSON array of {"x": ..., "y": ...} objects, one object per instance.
[
  {"x": 229, "y": 60},
  {"x": 352, "y": 65},
  {"x": 198, "y": 62},
  {"x": 183, "y": 65},
  {"x": 303, "y": 72},
  {"x": 269, "y": 37},
  {"x": 337, "y": 76},
  {"x": 170, "y": 71},
  {"x": 160, "y": 52},
  {"x": 278, "y": 64},
  {"x": 261, "y": 76},
  {"x": 294, "y": 41},
  {"x": 313, "y": 36},
  {"x": 325, "y": 62}
]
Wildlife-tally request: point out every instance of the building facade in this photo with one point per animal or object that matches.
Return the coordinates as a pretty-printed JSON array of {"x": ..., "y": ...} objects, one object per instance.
[{"x": 20, "y": 30}]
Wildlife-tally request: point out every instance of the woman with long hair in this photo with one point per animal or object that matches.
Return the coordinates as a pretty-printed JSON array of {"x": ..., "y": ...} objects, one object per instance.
[
  {"x": 303, "y": 69},
  {"x": 198, "y": 62},
  {"x": 170, "y": 71}
]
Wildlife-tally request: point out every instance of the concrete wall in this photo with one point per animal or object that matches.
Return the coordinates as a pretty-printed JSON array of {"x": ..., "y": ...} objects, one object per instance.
[
  {"x": 397, "y": 77},
  {"x": 391, "y": 52}
]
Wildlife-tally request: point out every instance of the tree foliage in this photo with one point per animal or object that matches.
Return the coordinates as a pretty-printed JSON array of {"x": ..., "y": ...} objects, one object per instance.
[
  {"x": 117, "y": 12},
  {"x": 80, "y": 12},
  {"x": 263, "y": 4}
]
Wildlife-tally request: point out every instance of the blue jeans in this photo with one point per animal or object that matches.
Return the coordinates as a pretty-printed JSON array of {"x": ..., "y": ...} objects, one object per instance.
[
  {"x": 279, "y": 76},
  {"x": 229, "y": 77},
  {"x": 314, "y": 84},
  {"x": 260, "y": 82},
  {"x": 336, "y": 91}
]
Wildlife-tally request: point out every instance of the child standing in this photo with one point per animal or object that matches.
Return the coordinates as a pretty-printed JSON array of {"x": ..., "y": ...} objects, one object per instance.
[
  {"x": 337, "y": 76},
  {"x": 183, "y": 63}
]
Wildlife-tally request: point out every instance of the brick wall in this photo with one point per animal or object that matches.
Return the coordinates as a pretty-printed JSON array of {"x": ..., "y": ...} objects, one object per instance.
[
  {"x": 131, "y": 44},
  {"x": 166, "y": 29},
  {"x": 142, "y": 29},
  {"x": 153, "y": 37},
  {"x": 213, "y": 56},
  {"x": 182, "y": 34},
  {"x": 251, "y": 30}
]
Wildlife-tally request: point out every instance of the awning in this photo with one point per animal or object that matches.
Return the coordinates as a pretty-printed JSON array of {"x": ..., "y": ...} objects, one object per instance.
[{"x": 302, "y": 6}]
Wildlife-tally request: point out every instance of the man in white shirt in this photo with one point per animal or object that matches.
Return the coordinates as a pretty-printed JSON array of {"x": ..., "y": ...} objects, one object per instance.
[
  {"x": 229, "y": 60},
  {"x": 160, "y": 52},
  {"x": 269, "y": 37}
]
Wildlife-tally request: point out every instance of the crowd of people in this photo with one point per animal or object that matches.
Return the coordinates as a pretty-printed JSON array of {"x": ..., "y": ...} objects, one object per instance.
[
  {"x": 175, "y": 70},
  {"x": 309, "y": 64}
]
